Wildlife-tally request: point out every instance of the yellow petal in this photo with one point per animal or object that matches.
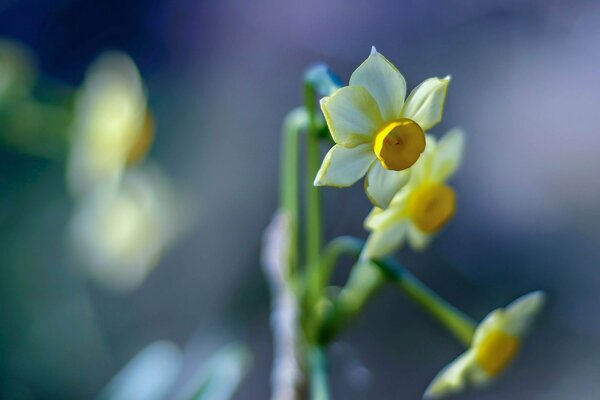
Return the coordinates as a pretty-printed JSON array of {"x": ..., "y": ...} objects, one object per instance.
[
  {"x": 352, "y": 116},
  {"x": 448, "y": 156},
  {"x": 343, "y": 166},
  {"x": 384, "y": 82},
  {"x": 381, "y": 184},
  {"x": 493, "y": 321},
  {"x": 496, "y": 351},
  {"x": 425, "y": 103}
]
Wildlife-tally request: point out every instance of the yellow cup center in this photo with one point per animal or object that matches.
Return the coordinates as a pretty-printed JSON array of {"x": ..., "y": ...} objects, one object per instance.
[
  {"x": 496, "y": 351},
  {"x": 431, "y": 206},
  {"x": 143, "y": 142},
  {"x": 399, "y": 144}
]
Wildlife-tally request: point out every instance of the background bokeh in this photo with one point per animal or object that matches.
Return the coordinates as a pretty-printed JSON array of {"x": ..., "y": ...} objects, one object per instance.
[{"x": 221, "y": 75}]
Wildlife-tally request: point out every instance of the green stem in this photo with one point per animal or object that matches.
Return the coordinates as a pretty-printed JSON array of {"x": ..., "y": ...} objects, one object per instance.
[
  {"x": 338, "y": 247},
  {"x": 364, "y": 281},
  {"x": 313, "y": 198},
  {"x": 459, "y": 324},
  {"x": 319, "y": 388},
  {"x": 295, "y": 121}
]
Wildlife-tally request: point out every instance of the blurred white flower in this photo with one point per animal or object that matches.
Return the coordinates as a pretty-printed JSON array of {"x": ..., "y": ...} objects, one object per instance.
[
  {"x": 424, "y": 205},
  {"x": 376, "y": 131},
  {"x": 112, "y": 126},
  {"x": 496, "y": 343},
  {"x": 120, "y": 233}
]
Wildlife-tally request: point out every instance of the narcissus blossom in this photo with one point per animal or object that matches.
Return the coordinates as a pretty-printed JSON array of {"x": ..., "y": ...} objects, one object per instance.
[
  {"x": 112, "y": 126},
  {"x": 496, "y": 343},
  {"x": 377, "y": 133},
  {"x": 424, "y": 205}
]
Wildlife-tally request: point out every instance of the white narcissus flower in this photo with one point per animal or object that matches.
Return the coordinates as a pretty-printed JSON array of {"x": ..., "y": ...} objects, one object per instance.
[
  {"x": 120, "y": 233},
  {"x": 496, "y": 343},
  {"x": 112, "y": 125},
  {"x": 376, "y": 131},
  {"x": 424, "y": 205}
]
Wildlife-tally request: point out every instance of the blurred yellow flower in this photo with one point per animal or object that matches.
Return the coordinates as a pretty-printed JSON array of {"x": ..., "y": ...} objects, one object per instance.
[
  {"x": 112, "y": 125},
  {"x": 119, "y": 234},
  {"x": 376, "y": 131},
  {"x": 424, "y": 205},
  {"x": 496, "y": 343}
]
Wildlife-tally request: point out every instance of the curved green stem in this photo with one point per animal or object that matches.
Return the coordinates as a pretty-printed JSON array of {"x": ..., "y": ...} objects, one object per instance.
[
  {"x": 319, "y": 387},
  {"x": 364, "y": 281},
  {"x": 458, "y": 323},
  {"x": 338, "y": 247},
  {"x": 295, "y": 121},
  {"x": 366, "y": 278}
]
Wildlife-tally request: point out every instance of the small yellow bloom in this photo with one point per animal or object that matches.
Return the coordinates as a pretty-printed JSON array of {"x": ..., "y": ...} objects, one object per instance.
[
  {"x": 376, "y": 131},
  {"x": 120, "y": 234},
  {"x": 112, "y": 126},
  {"x": 496, "y": 343},
  {"x": 424, "y": 205}
]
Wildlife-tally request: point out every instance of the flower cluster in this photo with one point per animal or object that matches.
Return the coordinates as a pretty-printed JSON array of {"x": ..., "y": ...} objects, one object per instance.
[
  {"x": 126, "y": 210},
  {"x": 383, "y": 135},
  {"x": 380, "y": 134}
]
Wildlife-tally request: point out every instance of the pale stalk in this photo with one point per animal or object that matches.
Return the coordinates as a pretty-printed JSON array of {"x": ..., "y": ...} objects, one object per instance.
[{"x": 319, "y": 388}]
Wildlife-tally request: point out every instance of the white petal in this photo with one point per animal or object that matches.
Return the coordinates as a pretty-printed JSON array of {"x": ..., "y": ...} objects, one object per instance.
[
  {"x": 381, "y": 184},
  {"x": 452, "y": 379},
  {"x": 420, "y": 172},
  {"x": 343, "y": 166},
  {"x": 418, "y": 240},
  {"x": 382, "y": 242},
  {"x": 373, "y": 220},
  {"x": 385, "y": 83},
  {"x": 448, "y": 156},
  {"x": 352, "y": 115},
  {"x": 425, "y": 103},
  {"x": 520, "y": 314},
  {"x": 379, "y": 217}
]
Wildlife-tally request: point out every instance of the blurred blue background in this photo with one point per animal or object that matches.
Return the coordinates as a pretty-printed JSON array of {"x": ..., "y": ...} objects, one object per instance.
[{"x": 221, "y": 76}]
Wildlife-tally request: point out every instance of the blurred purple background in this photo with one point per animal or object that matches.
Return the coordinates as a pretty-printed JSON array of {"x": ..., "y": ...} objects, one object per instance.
[{"x": 221, "y": 75}]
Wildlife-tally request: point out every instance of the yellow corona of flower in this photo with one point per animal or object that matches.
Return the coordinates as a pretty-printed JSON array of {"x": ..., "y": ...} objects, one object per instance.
[
  {"x": 376, "y": 131},
  {"x": 496, "y": 343},
  {"x": 120, "y": 234},
  {"x": 424, "y": 205},
  {"x": 112, "y": 126}
]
